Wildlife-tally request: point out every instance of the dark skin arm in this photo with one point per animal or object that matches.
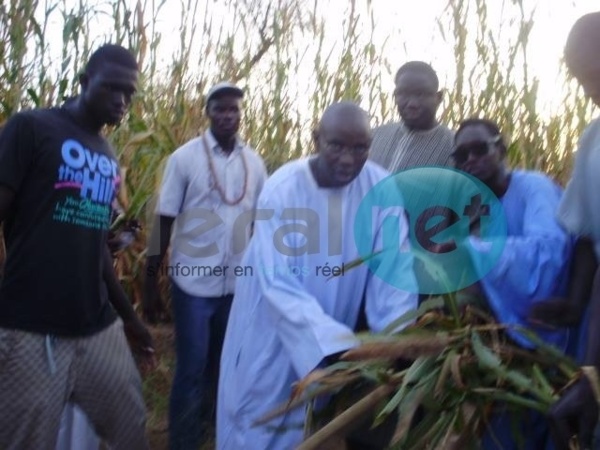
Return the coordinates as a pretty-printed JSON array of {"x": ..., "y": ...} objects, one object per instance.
[
  {"x": 576, "y": 412},
  {"x": 137, "y": 334},
  {"x": 473, "y": 290},
  {"x": 134, "y": 329},
  {"x": 567, "y": 312},
  {"x": 157, "y": 248},
  {"x": 7, "y": 196}
]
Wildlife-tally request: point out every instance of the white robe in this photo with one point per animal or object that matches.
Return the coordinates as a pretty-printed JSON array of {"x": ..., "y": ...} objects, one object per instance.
[
  {"x": 285, "y": 316},
  {"x": 579, "y": 210}
]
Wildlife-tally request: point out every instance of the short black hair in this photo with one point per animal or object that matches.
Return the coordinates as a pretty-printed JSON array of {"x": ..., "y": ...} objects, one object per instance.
[
  {"x": 418, "y": 66},
  {"x": 111, "y": 53},
  {"x": 488, "y": 124}
]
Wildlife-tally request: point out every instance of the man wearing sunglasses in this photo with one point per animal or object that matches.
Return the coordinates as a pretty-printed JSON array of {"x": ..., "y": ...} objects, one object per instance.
[{"x": 533, "y": 264}]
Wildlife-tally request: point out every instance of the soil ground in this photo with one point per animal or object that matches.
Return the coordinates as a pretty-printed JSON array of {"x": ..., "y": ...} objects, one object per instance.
[{"x": 157, "y": 385}]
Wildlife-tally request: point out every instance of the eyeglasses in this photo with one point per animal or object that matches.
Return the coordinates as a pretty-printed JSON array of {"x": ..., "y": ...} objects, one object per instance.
[
  {"x": 479, "y": 149},
  {"x": 417, "y": 95},
  {"x": 337, "y": 148}
]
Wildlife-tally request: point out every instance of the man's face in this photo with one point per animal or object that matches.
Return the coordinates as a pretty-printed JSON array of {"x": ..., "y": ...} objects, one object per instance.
[
  {"x": 107, "y": 92},
  {"x": 343, "y": 150},
  {"x": 225, "y": 113},
  {"x": 588, "y": 75},
  {"x": 478, "y": 153},
  {"x": 417, "y": 99}
]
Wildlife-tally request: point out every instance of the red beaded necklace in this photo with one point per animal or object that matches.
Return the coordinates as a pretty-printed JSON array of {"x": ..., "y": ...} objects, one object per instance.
[{"x": 213, "y": 172}]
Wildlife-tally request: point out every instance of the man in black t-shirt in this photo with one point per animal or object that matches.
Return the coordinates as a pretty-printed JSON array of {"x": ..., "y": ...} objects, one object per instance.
[{"x": 60, "y": 339}]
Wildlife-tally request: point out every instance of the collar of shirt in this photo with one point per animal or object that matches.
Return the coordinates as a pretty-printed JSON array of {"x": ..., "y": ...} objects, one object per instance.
[
  {"x": 407, "y": 130},
  {"x": 216, "y": 148}
]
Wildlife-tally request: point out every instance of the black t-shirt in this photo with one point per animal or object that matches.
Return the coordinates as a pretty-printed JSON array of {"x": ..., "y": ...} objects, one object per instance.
[{"x": 64, "y": 179}]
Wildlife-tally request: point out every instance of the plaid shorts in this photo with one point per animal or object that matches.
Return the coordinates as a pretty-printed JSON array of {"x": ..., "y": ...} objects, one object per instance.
[{"x": 39, "y": 374}]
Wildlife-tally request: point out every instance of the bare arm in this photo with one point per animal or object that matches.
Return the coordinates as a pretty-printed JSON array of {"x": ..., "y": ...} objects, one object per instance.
[
  {"x": 116, "y": 294},
  {"x": 158, "y": 244},
  {"x": 576, "y": 412},
  {"x": 583, "y": 267},
  {"x": 140, "y": 339},
  {"x": 568, "y": 311}
]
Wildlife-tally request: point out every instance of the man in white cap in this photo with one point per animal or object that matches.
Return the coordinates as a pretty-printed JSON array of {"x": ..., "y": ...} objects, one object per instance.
[{"x": 206, "y": 202}]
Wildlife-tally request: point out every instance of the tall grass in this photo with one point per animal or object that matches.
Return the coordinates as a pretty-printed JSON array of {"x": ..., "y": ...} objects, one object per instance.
[
  {"x": 293, "y": 59},
  {"x": 494, "y": 79}
]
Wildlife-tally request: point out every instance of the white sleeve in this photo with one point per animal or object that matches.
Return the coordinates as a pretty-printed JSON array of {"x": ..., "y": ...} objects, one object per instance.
[
  {"x": 392, "y": 287},
  {"x": 572, "y": 212},
  {"x": 172, "y": 190},
  {"x": 306, "y": 331}
]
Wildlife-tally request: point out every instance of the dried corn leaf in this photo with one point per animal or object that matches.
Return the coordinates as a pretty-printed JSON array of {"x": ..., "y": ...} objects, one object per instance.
[
  {"x": 456, "y": 378},
  {"x": 408, "y": 347},
  {"x": 407, "y": 412},
  {"x": 424, "y": 377},
  {"x": 444, "y": 372},
  {"x": 299, "y": 388},
  {"x": 410, "y": 316},
  {"x": 345, "y": 421},
  {"x": 451, "y": 438},
  {"x": 293, "y": 404},
  {"x": 455, "y": 370}
]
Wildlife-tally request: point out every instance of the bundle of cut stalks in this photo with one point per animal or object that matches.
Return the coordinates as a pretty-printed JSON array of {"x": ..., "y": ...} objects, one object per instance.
[{"x": 458, "y": 367}]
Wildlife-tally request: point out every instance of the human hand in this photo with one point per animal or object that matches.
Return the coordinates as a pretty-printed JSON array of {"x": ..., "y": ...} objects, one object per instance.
[
  {"x": 120, "y": 241},
  {"x": 123, "y": 236},
  {"x": 152, "y": 304},
  {"x": 574, "y": 414},
  {"x": 141, "y": 343}
]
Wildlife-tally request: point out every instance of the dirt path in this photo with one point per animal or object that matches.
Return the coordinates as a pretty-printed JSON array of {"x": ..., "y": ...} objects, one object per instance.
[{"x": 156, "y": 386}]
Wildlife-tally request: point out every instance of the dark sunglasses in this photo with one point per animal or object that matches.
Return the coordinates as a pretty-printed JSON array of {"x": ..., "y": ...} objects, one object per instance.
[{"x": 479, "y": 149}]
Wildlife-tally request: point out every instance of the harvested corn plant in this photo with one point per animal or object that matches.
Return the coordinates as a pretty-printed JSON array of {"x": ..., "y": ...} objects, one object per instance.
[{"x": 451, "y": 369}]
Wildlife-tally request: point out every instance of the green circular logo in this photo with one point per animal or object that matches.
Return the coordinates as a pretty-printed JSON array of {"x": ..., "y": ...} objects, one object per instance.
[{"x": 456, "y": 228}]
